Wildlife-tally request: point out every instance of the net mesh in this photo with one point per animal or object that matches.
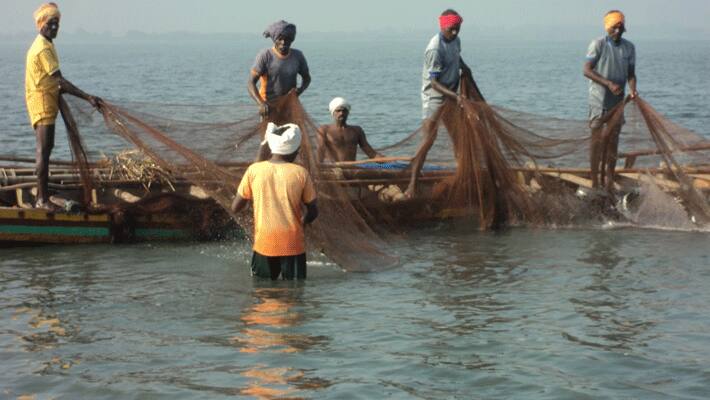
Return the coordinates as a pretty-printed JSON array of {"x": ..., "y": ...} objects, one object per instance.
[{"x": 493, "y": 166}]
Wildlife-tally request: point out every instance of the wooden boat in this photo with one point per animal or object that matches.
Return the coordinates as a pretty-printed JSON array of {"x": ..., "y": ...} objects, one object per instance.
[
  {"x": 137, "y": 211},
  {"x": 128, "y": 210},
  {"x": 151, "y": 222}
]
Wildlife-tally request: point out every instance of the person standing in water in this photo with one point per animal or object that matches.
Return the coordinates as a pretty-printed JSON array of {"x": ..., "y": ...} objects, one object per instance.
[{"x": 279, "y": 190}]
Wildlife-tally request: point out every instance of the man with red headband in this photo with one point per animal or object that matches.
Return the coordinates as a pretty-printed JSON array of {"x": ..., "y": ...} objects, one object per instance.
[
  {"x": 443, "y": 68},
  {"x": 43, "y": 85},
  {"x": 610, "y": 65}
]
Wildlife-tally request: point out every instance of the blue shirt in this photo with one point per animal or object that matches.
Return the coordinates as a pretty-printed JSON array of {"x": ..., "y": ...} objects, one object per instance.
[
  {"x": 612, "y": 61},
  {"x": 441, "y": 61}
]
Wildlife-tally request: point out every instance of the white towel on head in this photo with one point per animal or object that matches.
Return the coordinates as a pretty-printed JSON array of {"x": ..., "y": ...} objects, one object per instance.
[
  {"x": 337, "y": 103},
  {"x": 287, "y": 142}
]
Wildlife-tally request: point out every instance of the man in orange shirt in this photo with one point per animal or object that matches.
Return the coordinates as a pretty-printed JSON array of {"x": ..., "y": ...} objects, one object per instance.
[
  {"x": 279, "y": 189},
  {"x": 43, "y": 85}
]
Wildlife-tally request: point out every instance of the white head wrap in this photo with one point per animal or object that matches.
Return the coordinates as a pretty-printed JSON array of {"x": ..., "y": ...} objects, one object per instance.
[
  {"x": 287, "y": 142},
  {"x": 337, "y": 103}
]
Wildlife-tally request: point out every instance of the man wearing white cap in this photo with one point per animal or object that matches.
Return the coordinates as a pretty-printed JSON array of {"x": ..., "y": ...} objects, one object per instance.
[
  {"x": 278, "y": 189},
  {"x": 339, "y": 141}
]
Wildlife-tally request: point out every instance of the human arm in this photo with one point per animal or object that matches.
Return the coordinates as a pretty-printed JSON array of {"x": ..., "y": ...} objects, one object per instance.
[
  {"x": 304, "y": 72},
  {"x": 320, "y": 153},
  {"x": 258, "y": 70},
  {"x": 309, "y": 199},
  {"x": 590, "y": 73},
  {"x": 594, "y": 53},
  {"x": 238, "y": 204},
  {"x": 244, "y": 193},
  {"x": 68, "y": 87},
  {"x": 434, "y": 65},
  {"x": 365, "y": 146},
  {"x": 311, "y": 212},
  {"x": 254, "y": 93},
  {"x": 443, "y": 89},
  {"x": 632, "y": 81},
  {"x": 305, "y": 82}
]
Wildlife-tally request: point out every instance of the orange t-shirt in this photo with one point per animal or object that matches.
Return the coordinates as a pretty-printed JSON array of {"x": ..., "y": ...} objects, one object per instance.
[{"x": 278, "y": 191}]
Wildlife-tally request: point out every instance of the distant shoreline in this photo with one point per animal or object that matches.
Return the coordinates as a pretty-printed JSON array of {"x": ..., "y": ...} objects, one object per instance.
[{"x": 520, "y": 34}]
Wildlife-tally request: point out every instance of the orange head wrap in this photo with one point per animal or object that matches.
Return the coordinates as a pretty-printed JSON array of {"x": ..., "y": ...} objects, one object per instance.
[
  {"x": 44, "y": 13},
  {"x": 612, "y": 18}
]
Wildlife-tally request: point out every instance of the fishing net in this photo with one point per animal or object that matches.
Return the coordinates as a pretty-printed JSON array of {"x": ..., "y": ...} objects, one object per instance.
[
  {"x": 78, "y": 151},
  {"x": 488, "y": 166},
  {"x": 213, "y": 156},
  {"x": 512, "y": 167}
]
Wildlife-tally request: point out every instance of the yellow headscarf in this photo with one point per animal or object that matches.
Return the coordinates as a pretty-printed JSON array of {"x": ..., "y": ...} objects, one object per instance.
[
  {"x": 613, "y": 18},
  {"x": 44, "y": 13}
]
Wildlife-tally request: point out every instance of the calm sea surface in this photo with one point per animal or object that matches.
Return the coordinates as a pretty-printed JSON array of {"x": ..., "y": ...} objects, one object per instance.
[{"x": 578, "y": 313}]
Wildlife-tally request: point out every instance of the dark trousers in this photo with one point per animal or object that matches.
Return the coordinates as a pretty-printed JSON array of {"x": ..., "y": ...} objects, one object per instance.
[
  {"x": 289, "y": 267},
  {"x": 45, "y": 144}
]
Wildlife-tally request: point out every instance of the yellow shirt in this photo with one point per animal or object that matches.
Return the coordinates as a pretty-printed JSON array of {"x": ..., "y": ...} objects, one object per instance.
[
  {"x": 278, "y": 192},
  {"x": 41, "y": 88}
]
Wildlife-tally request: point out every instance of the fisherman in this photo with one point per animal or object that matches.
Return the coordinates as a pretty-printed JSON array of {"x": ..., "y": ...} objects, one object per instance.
[
  {"x": 610, "y": 65},
  {"x": 443, "y": 67},
  {"x": 43, "y": 85},
  {"x": 278, "y": 189},
  {"x": 339, "y": 141},
  {"x": 277, "y": 68}
]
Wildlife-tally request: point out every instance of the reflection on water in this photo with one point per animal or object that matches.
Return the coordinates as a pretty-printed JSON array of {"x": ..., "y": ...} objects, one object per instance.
[
  {"x": 519, "y": 314},
  {"x": 605, "y": 299},
  {"x": 270, "y": 325}
]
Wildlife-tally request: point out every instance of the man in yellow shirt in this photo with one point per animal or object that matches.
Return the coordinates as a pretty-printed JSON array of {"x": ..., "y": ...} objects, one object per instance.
[
  {"x": 279, "y": 189},
  {"x": 43, "y": 85}
]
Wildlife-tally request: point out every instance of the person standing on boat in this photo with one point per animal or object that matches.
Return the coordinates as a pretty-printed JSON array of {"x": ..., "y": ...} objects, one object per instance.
[
  {"x": 443, "y": 67},
  {"x": 276, "y": 69},
  {"x": 610, "y": 65},
  {"x": 278, "y": 189},
  {"x": 43, "y": 85},
  {"x": 339, "y": 141}
]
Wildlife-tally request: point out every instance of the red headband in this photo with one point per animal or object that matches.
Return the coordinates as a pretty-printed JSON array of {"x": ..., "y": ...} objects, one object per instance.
[{"x": 447, "y": 21}]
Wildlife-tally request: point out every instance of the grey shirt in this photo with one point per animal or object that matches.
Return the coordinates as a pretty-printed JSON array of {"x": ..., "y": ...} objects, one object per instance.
[
  {"x": 441, "y": 61},
  {"x": 278, "y": 74},
  {"x": 612, "y": 61}
]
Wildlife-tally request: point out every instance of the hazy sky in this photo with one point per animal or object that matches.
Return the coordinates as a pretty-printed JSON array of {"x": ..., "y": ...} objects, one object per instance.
[{"x": 656, "y": 18}]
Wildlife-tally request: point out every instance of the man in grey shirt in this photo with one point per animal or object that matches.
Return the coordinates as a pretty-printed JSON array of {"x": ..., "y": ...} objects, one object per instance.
[
  {"x": 610, "y": 65},
  {"x": 443, "y": 67},
  {"x": 276, "y": 69}
]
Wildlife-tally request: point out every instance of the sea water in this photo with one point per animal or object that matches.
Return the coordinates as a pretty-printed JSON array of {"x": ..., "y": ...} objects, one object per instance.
[{"x": 580, "y": 312}]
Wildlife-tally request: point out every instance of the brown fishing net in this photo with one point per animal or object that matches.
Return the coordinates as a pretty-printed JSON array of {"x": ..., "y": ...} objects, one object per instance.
[
  {"x": 493, "y": 167},
  {"x": 213, "y": 156},
  {"x": 77, "y": 150},
  {"x": 512, "y": 167}
]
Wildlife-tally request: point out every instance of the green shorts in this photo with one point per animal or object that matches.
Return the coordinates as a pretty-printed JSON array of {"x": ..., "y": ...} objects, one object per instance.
[{"x": 289, "y": 267}]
